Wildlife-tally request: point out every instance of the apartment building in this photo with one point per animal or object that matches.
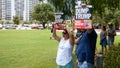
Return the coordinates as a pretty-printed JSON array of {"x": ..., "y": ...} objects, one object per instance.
[{"x": 21, "y": 8}]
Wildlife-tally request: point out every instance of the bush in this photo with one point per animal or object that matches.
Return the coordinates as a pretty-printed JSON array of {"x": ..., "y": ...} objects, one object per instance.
[
  {"x": 1, "y": 22},
  {"x": 112, "y": 57},
  {"x": 27, "y": 22}
]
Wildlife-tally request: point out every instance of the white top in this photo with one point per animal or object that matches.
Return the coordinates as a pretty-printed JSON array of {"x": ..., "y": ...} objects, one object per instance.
[{"x": 64, "y": 54}]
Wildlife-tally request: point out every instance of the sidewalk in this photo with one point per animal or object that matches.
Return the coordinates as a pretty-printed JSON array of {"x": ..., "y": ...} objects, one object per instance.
[{"x": 98, "y": 31}]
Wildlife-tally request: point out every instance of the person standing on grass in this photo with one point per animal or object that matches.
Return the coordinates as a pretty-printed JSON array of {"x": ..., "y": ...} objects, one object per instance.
[
  {"x": 64, "y": 57},
  {"x": 103, "y": 39},
  {"x": 52, "y": 31},
  {"x": 111, "y": 35},
  {"x": 86, "y": 48},
  {"x": 79, "y": 34}
]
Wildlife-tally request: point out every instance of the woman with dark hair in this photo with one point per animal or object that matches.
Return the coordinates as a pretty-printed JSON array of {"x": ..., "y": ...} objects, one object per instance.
[
  {"x": 64, "y": 57},
  {"x": 103, "y": 39}
]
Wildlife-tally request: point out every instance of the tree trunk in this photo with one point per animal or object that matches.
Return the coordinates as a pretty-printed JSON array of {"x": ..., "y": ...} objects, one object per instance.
[{"x": 43, "y": 25}]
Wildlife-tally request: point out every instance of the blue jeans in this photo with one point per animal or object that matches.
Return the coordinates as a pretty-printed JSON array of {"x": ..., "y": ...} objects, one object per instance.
[{"x": 85, "y": 65}]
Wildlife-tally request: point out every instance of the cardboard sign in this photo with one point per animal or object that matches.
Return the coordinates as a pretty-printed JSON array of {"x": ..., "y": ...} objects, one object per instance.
[
  {"x": 83, "y": 13},
  {"x": 82, "y": 24},
  {"x": 58, "y": 26},
  {"x": 83, "y": 17},
  {"x": 58, "y": 17}
]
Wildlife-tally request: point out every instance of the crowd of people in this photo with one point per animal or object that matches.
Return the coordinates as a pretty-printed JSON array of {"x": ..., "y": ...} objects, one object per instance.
[{"x": 85, "y": 41}]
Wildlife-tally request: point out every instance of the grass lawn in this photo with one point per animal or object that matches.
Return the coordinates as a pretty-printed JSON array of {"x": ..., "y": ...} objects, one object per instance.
[{"x": 29, "y": 49}]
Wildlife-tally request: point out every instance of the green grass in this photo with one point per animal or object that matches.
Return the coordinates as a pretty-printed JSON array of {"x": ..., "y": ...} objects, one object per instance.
[{"x": 29, "y": 49}]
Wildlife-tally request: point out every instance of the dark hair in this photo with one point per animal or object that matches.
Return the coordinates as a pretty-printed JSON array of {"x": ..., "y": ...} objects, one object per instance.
[
  {"x": 65, "y": 31},
  {"x": 104, "y": 27},
  {"x": 110, "y": 24}
]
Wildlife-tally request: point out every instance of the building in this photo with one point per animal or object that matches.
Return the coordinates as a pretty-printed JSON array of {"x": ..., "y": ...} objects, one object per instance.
[
  {"x": 21, "y": 8},
  {"x": 12, "y": 9},
  {"x": 18, "y": 7},
  {"x": 8, "y": 10},
  {"x": 0, "y": 9},
  {"x": 28, "y": 8}
]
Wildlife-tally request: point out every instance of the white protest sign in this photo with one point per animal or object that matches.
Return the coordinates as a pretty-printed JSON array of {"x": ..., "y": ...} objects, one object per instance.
[
  {"x": 58, "y": 17},
  {"x": 83, "y": 13}
]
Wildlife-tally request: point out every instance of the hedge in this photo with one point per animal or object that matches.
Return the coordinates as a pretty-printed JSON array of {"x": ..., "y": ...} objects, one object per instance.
[{"x": 112, "y": 57}]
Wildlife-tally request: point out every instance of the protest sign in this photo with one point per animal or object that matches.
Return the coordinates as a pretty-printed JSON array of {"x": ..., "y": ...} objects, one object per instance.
[
  {"x": 59, "y": 21},
  {"x": 82, "y": 24},
  {"x": 83, "y": 17},
  {"x": 58, "y": 26},
  {"x": 58, "y": 18}
]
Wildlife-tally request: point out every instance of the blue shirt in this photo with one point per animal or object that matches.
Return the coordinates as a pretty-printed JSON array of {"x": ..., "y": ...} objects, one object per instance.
[
  {"x": 78, "y": 35},
  {"x": 86, "y": 47},
  {"x": 111, "y": 37}
]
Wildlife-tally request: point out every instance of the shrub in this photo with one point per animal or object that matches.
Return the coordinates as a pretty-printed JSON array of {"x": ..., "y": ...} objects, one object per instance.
[
  {"x": 1, "y": 22},
  {"x": 112, "y": 57}
]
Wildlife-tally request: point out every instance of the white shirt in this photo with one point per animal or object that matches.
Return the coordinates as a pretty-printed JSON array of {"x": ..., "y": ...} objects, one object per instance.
[{"x": 64, "y": 54}]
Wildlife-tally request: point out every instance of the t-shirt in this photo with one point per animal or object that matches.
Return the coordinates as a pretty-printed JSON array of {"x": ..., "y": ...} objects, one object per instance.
[
  {"x": 111, "y": 37},
  {"x": 64, "y": 54},
  {"x": 86, "y": 47},
  {"x": 78, "y": 35}
]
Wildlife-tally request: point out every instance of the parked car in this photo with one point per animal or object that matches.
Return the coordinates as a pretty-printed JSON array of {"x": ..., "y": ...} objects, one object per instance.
[
  {"x": 34, "y": 26},
  {"x": 23, "y": 27},
  {"x": 1, "y": 26},
  {"x": 9, "y": 26}
]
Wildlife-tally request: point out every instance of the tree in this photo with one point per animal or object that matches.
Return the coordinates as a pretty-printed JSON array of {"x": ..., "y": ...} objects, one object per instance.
[
  {"x": 1, "y": 22},
  {"x": 100, "y": 8},
  {"x": 105, "y": 9},
  {"x": 16, "y": 19},
  {"x": 65, "y": 6},
  {"x": 41, "y": 1},
  {"x": 43, "y": 13}
]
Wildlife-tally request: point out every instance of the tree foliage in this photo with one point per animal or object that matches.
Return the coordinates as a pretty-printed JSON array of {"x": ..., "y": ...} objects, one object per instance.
[
  {"x": 16, "y": 19},
  {"x": 65, "y": 6},
  {"x": 105, "y": 10},
  {"x": 43, "y": 12},
  {"x": 112, "y": 57},
  {"x": 1, "y": 22},
  {"x": 100, "y": 6}
]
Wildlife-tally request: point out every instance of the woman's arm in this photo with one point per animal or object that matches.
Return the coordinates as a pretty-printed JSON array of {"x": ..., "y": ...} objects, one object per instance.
[
  {"x": 55, "y": 35},
  {"x": 105, "y": 34},
  {"x": 71, "y": 36},
  {"x": 76, "y": 40}
]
